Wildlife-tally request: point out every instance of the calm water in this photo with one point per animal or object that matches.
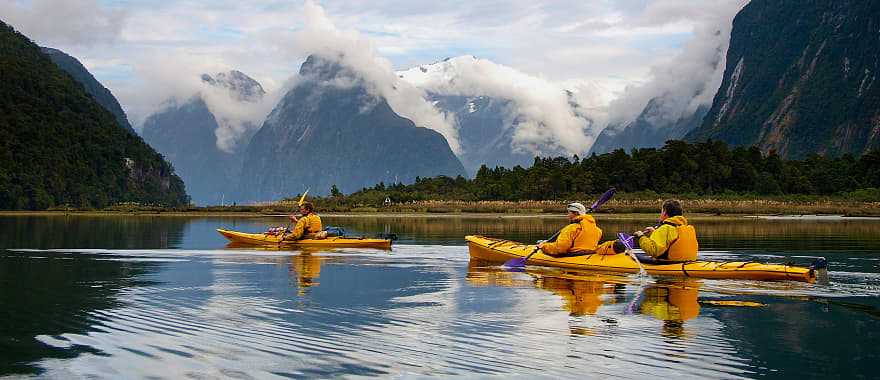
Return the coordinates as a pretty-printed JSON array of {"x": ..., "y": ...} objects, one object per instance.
[{"x": 148, "y": 297}]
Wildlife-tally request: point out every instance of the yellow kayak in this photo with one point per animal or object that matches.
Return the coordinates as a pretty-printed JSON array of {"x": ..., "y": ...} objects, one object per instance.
[
  {"x": 499, "y": 250},
  {"x": 274, "y": 240}
]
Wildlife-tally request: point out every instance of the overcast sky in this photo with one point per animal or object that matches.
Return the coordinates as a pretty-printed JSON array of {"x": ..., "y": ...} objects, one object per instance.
[{"x": 130, "y": 44}]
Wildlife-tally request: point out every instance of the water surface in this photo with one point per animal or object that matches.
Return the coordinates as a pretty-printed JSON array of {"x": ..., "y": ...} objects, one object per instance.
[{"x": 137, "y": 297}]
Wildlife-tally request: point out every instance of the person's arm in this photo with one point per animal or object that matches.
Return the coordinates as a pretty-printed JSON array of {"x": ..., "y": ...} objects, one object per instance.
[
  {"x": 563, "y": 243},
  {"x": 298, "y": 229},
  {"x": 657, "y": 243}
]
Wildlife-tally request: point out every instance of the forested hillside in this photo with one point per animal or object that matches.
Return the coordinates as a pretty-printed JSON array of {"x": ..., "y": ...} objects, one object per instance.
[{"x": 58, "y": 146}]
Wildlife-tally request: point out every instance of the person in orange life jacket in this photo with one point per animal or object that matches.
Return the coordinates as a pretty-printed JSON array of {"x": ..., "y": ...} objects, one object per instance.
[
  {"x": 674, "y": 239},
  {"x": 307, "y": 225},
  {"x": 580, "y": 236}
]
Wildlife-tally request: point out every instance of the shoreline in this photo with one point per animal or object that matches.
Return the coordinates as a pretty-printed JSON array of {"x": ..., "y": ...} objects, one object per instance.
[{"x": 451, "y": 215}]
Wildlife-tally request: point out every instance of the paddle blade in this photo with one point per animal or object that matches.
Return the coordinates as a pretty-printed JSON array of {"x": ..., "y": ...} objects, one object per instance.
[
  {"x": 303, "y": 198},
  {"x": 518, "y": 262},
  {"x": 604, "y": 198},
  {"x": 627, "y": 240}
]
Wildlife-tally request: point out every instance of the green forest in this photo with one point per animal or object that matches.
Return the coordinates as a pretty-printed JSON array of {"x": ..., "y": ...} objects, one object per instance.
[
  {"x": 59, "y": 147},
  {"x": 710, "y": 168}
]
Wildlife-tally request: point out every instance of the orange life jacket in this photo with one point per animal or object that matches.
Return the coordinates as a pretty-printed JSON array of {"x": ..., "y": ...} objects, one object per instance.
[{"x": 685, "y": 246}]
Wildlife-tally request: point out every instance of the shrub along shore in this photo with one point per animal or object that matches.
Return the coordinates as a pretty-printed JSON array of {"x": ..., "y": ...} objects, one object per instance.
[{"x": 622, "y": 204}]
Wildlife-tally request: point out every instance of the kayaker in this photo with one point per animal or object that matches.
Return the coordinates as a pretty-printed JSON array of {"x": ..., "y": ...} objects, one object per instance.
[
  {"x": 674, "y": 239},
  {"x": 307, "y": 225},
  {"x": 580, "y": 237}
]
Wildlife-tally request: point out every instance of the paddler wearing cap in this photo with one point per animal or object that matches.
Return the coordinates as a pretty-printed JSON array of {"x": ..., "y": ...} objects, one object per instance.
[{"x": 580, "y": 237}]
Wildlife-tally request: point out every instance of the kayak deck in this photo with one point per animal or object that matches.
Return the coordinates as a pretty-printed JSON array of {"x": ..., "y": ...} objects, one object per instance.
[
  {"x": 275, "y": 240},
  {"x": 499, "y": 250}
]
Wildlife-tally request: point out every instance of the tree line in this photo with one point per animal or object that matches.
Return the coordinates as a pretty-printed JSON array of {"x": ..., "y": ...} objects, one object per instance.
[{"x": 703, "y": 169}]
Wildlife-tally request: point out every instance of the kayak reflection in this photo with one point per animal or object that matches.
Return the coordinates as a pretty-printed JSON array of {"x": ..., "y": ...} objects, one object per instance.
[
  {"x": 304, "y": 267},
  {"x": 671, "y": 301}
]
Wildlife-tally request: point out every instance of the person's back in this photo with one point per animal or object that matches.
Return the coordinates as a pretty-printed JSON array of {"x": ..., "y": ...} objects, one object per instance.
[
  {"x": 580, "y": 236},
  {"x": 674, "y": 239}
]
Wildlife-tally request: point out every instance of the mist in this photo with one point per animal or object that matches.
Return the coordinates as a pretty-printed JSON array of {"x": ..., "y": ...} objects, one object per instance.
[
  {"x": 543, "y": 119},
  {"x": 52, "y": 22},
  {"x": 173, "y": 79},
  {"x": 691, "y": 78},
  {"x": 359, "y": 55}
]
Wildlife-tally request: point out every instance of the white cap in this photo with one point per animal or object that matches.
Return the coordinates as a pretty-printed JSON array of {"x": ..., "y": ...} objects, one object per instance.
[{"x": 577, "y": 207}]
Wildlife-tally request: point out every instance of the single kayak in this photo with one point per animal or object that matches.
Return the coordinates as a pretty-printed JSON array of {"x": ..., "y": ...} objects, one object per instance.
[
  {"x": 275, "y": 240},
  {"x": 499, "y": 250}
]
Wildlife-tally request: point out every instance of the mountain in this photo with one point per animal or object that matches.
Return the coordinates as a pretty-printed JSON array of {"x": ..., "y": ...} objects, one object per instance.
[
  {"x": 485, "y": 133},
  {"x": 186, "y": 134},
  {"x": 486, "y": 124},
  {"x": 330, "y": 130},
  {"x": 651, "y": 129},
  {"x": 801, "y": 78},
  {"x": 101, "y": 94},
  {"x": 58, "y": 146}
]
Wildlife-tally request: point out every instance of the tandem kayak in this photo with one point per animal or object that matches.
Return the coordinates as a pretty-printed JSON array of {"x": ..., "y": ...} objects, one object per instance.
[
  {"x": 499, "y": 250},
  {"x": 275, "y": 240}
]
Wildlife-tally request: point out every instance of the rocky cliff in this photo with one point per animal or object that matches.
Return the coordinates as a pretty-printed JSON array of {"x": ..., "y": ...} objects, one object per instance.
[{"x": 801, "y": 78}]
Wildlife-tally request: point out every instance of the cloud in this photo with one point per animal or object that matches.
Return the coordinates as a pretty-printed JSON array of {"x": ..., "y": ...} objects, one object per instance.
[
  {"x": 691, "y": 78},
  {"x": 175, "y": 77},
  {"x": 541, "y": 112},
  {"x": 148, "y": 51},
  {"x": 358, "y": 54},
  {"x": 54, "y": 22}
]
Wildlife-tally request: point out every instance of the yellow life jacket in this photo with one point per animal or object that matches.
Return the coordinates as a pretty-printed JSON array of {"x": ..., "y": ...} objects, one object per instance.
[{"x": 685, "y": 246}]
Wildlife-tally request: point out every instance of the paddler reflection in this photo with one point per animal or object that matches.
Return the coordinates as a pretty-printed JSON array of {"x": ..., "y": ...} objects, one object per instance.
[
  {"x": 672, "y": 302},
  {"x": 582, "y": 294},
  {"x": 306, "y": 267}
]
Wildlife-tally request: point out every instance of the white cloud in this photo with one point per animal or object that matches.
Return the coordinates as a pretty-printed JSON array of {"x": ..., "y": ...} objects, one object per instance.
[
  {"x": 358, "y": 54},
  {"x": 689, "y": 79},
  {"x": 64, "y": 22},
  {"x": 162, "y": 46},
  {"x": 545, "y": 121}
]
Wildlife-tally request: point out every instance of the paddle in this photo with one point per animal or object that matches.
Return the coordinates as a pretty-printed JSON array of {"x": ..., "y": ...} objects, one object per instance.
[
  {"x": 521, "y": 261},
  {"x": 627, "y": 241}
]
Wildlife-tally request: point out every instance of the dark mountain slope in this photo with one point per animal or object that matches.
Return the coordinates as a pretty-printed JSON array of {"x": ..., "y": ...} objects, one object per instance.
[
  {"x": 329, "y": 130},
  {"x": 59, "y": 146},
  {"x": 101, "y": 94},
  {"x": 801, "y": 78}
]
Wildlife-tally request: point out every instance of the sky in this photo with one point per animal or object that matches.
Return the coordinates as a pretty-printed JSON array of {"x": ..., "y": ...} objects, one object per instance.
[{"x": 145, "y": 51}]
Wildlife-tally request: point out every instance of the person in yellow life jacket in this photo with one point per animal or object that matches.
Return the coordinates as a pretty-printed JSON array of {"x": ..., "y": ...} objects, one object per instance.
[
  {"x": 307, "y": 225},
  {"x": 674, "y": 239},
  {"x": 580, "y": 237}
]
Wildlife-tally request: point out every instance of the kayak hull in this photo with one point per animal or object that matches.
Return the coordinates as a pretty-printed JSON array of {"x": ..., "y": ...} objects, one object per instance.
[
  {"x": 275, "y": 241},
  {"x": 498, "y": 250}
]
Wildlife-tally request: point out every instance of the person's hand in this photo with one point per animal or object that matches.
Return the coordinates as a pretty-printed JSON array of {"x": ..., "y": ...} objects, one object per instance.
[
  {"x": 541, "y": 244},
  {"x": 648, "y": 230},
  {"x": 293, "y": 218},
  {"x": 638, "y": 234}
]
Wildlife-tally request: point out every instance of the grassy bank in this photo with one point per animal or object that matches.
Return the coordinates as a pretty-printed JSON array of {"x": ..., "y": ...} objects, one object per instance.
[{"x": 619, "y": 205}]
